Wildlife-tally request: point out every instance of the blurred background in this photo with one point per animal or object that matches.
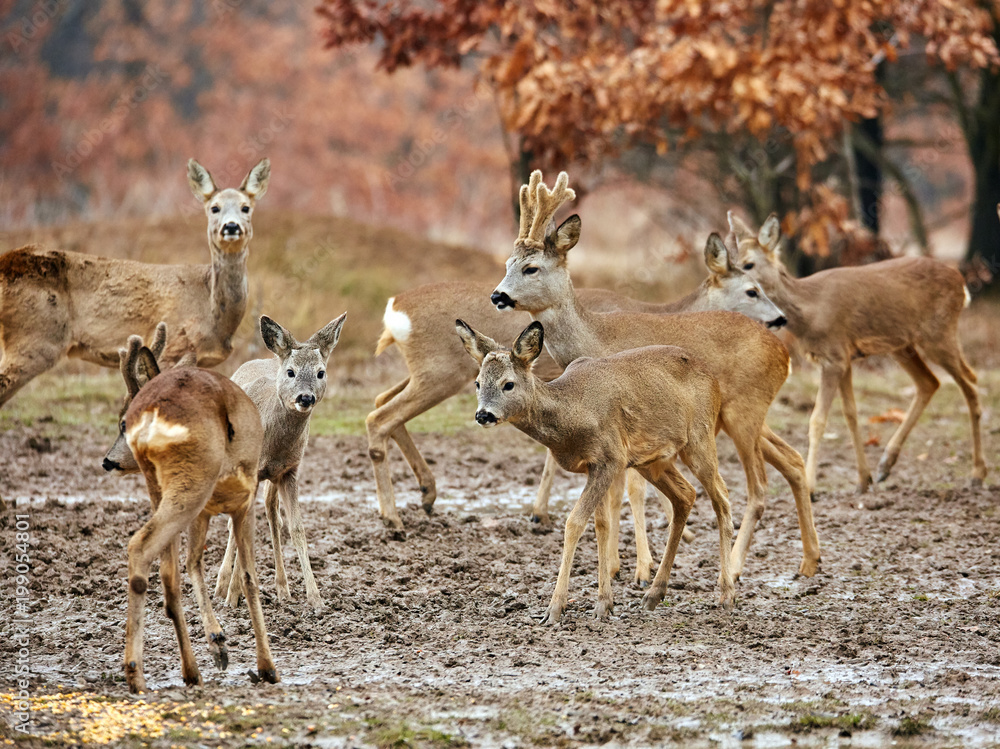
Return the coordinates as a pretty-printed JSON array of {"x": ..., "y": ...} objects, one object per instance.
[{"x": 399, "y": 132}]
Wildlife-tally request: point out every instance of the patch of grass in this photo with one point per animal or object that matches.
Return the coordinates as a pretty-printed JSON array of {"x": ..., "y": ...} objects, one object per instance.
[
  {"x": 915, "y": 726},
  {"x": 399, "y": 735},
  {"x": 920, "y": 597},
  {"x": 990, "y": 715},
  {"x": 61, "y": 399}
]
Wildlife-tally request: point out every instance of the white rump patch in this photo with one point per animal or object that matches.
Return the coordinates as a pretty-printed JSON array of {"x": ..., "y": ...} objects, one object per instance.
[
  {"x": 397, "y": 323},
  {"x": 968, "y": 296},
  {"x": 153, "y": 432},
  {"x": 789, "y": 368}
]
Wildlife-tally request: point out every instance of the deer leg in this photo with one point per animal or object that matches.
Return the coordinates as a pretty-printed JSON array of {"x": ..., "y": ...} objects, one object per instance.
[
  {"x": 290, "y": 499},
  {"x": 383, "y": 422},
  {"x": 615, "y": 495},
  {"x": 954, "y": 363},
  {"x": 746, "y": 437},
  {"x": 403, "y": 440},
  {"x": 540, "y": 511},
  {"x": 196, "y": 570},
  {"x": 927, "y": 384},
  {"x": 599, "y": 481},
  {"x": 830, "y": 378},
  {"x": 170, "y": 577},
  {"x": 603, "y": 526},
  {"x": 637, "y": 501},
  {"x": 681, "y": 495},
  {"x": 703, "y": 461},
  {"x": 224, "y": 582},
  {"x": 243, "y": 523},
  {"x": 851, "y": 417},
  {"x": 789, "y": 464},
  {"x": 146, "y": 545},
  {"x": 274, "y": 525}
]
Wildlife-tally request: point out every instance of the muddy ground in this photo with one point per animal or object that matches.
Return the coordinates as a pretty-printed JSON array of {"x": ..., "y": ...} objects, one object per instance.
[{"x": 435, "y": 640}]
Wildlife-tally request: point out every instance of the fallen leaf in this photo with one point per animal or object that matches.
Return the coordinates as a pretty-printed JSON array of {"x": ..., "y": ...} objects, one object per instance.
[
  {"x": 895, "y": 415},
  {"x": 873, "y": 441}
]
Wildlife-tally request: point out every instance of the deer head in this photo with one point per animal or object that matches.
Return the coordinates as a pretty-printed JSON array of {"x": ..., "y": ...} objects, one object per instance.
[
  {"x": 505, "y": 386},
  {"x": 229, "y": 211},
  {"x": 301, "y": 379}
]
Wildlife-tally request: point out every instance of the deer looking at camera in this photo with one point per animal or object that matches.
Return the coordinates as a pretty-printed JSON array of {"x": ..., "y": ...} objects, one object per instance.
[
  {"x": 639, "y": 409},
  {"x": 285, "y": 388},
  {"x": 55, "y": 304},
  {"x": 419, "y": 323},
  {"x": 748, "y": 361},
  {"x": 196, "y": 437},
  {"x": 907, "y": 308}
]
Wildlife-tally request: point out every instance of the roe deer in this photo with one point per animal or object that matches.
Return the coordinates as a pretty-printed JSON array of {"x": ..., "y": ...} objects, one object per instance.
[
  {"x": 285, "y": 389},
  {"x": 907, "y": 308},
  {"x": 639, "y": 409},
  {"x": 55, "y": 303},
  {"x": 418, "y": 321},
  {"x": 196, "y": 437},
  {"x": 749, "y": 362}
]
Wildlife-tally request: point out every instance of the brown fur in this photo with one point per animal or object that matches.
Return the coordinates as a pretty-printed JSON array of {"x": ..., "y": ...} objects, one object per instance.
[
  {"x": 907, "y": 308},
  {"x": 197, "y": 439},
  {"x": 642, "y": 409},
  {"x": 55, "y": 304}
]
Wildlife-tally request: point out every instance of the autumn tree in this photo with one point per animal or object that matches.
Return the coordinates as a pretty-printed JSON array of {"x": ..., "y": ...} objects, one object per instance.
[{"x": 581, "y": 81}]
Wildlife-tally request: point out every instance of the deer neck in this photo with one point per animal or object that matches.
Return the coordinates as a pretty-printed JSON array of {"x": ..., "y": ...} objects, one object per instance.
[
  {"x": 228, "y": 284},
  {"x": 544, "y": 418},
  {"x": 570, "y": 330},
  {"x": 794, "y": 300}
]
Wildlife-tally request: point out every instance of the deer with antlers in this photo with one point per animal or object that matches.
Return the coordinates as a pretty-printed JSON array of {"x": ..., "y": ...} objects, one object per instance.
[
  {"x": 643, "y": 408},
  {"x": 55, "y": 303},
  {"x": 907, "y": 308},
  {"x": 419, "y": 323},
  {"x": 196, "y": 437},
  {"x": 748, "y": 361}
]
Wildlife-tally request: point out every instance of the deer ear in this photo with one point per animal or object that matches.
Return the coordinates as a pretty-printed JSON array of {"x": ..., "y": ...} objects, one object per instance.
[
  {"x": 202, "y": 184},
  {"x": 477, "y": 344},
  {"x": 528, "y": 345},
  {"x": 278, "y": 340},
  {"x": 255, "y": 184},
  {"x": 717, "y": 256},
  {"x": 740, "y": 229},
  {"x": 769, "y": 234},
  {"x": 146, "y": 367},
  {"x": 126, "y": 364},
  {"x": 159, "y": 340},
  {"x": 327, "y": 338},
  {"x": 567, "y": 235}
]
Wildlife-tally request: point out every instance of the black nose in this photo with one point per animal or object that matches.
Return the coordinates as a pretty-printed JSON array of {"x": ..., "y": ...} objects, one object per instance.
[
  {"x": 484, "y": 417},
  {"x": 306, "y": 400},
  {"x": 501, "y": 300},
  {"x": 110, "y": 465},
  {"x": 778, "y": 322},
  {"x": 231, "y": 228}
]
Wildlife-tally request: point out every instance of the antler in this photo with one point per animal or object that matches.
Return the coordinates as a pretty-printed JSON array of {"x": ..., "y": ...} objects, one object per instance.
[
  {"x": 539, "y": 204},
  {"x": 126, "y": 362},
  {"x": 159, "y": 340}
]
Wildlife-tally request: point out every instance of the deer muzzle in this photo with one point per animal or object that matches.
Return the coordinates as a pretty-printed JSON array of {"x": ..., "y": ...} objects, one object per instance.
[
  {"x": 485, "y": 418},
  {"x": 502, "y": 301},
  {"x": 778, "y": 322}
]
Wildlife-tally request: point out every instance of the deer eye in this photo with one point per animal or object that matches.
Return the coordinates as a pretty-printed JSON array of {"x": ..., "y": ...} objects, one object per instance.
[
  {"x": 245, "y": 209},
  {"x": 477, "y": 384},
  {"x": 508, "y": 386},
  {"x": 530, "y": 271},
  {"x": 122, "y": 426},
  {"x": 291, "y": 373},
  {"x": 747, "y": 266},
  {"x": 320, "y": 375},
  {"x": 215, "y": 209},
  {"x": 752, "y": 293}
]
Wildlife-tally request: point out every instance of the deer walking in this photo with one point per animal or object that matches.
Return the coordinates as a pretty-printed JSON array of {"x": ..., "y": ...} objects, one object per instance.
[
  {"x": 196, "y": 437},
  {"x": 643, "y": 408},
  {"x": 55, "y": 304},
  {"x": 748, "y": 361},
  {"x": 419, "y": 323},
  {"x": 907, "y": 308},
  {"x": 285, "y": 388}
]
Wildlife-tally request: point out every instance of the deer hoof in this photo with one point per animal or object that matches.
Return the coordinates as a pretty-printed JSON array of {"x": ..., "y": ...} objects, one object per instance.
[
  {"x": 270, "y": 675},
  {"x": 603, "y": 610},
  {"x": 651, "y": 600},
  {"x": 552, "y": 616},
  {"x": 809, "y": 567},
  {"x": 193, "y": 679},
  {"x": 976, "y": 483},
  {"x": 727, "y": 602}
]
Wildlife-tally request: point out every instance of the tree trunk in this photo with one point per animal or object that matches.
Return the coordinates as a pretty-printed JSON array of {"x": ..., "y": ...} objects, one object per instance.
[{"x": 869, "y": 174}]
